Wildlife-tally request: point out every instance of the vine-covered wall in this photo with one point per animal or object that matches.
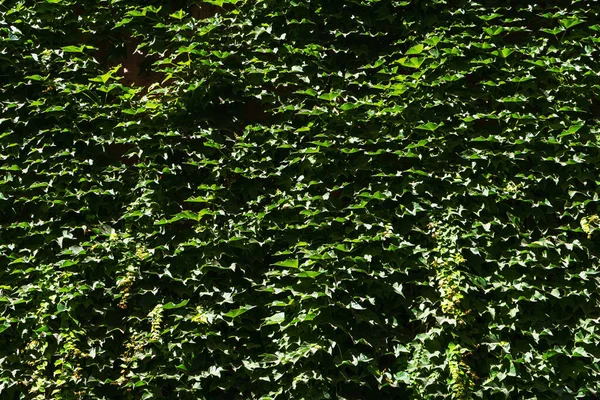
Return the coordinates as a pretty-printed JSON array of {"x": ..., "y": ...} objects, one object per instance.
[{"x": 299, "y": 199}]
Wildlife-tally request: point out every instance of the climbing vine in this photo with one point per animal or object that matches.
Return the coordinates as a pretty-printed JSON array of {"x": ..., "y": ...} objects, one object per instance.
[{"x": 305, "y": 199}]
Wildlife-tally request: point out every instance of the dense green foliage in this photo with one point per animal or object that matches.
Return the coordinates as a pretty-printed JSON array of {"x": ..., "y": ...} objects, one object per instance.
[{"x": 353, "y": 199}]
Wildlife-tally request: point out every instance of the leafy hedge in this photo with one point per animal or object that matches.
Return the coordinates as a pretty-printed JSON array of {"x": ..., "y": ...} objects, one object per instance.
[{"x": 309, "y": 199}]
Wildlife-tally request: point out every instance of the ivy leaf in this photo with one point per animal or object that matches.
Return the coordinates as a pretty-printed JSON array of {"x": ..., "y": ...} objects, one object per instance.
[
  {"x": 239, "y": 311},
  {"x": 220, "y": 3},
  {"x": 275, "y": 319},
  {"x": 418, "y": 49},
  {"x": 570, "y": 22},
  {"x": 572, "y": 129},
  {"x": 505, "y": 52},
  {"x": 171, "y": 305},
  {"x": 493, "y": 31},
  {"x": 430, "y": 126},
  {"x": 73, "y": 49},
  {"x": 580, "y": 352},
  {"x": 179, "y": 14},
  {"x": 308, "y": 274},
  {"x": 329, "y": 96},
  {"x": 290, "y": 263},
  {"x": 411, "y": 62}
]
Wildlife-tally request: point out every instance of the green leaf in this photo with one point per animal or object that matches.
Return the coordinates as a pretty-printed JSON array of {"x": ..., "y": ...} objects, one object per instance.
[
  {"x": 489, "y": 17},
  {"x": 171, "y": 305},
  {"x": 580, "y": 352},
  {"x": 572, "y": 129},
  {"x": 398, "y": 89},
  {"x": 308, "y": 274},
  {"x": 412, "y": 62},
  {"x": 41, "y": 329},
  {"x": 179, "y": 14},
  {"x": 329, "y": 96},
  {"x": 494, "y": 30},
  {"x": 430, "y": 126},
  {"x": 349, "y": 106},
  {"x": 421, "y": 143},
  {"x": 290, "y": 263},
  {"x": 512, "y": 369},
  {"x": 513, "y": 99},
  {"x": 187, "y": 215},
  {"x": 505, "y": 52},
  {"x": 123, "y": 22},
  {"x": 239, "y": 311},
  {"x": 37, "y": 77},
  {"x": 72, "y": 49},
  {"x": 570, "y": 22},
  {"x": 220, "y": 3},
  {"x": 310, "y": 92},
  {"x": 418, "y": 49},
  {"x": 181, "y": 367},
  {"x": 275, "y": 319},
  {"x": 433, "y": 41}
]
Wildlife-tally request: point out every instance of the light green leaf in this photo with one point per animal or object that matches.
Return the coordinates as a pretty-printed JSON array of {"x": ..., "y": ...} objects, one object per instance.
[
  {"x": 398, "y": 89},
  {"x": 72, "y": 49},
  {"x": 221, "y": 2},
  {"x": 512, "y": 371},
  {"x": 179, "y": 14},
  {"x": 421, "y": 143},
  {"x": 412, "y": 62},
  {"x": 329, "y": 96},
  {"x": 349, "y": 106},
  {"x": 549, "y": 354},
  {"x": 308, "y": 274},
  {"x": 37, "y": 77},
  {"x": 430, "y": 126},
  {"x": 239, "y": 311},
  {"x": 494, "y": 30},
  {"x": 275, "y": 319},
  {"x": 418, "y": 49},
  {"x": 580, "y": 352},
  {"x": 291, "y": 263},
  {"x": 506, "y": 52},
  {"x": 181, "y": 367},
  {"x": 572, "y": 129},
  {"x": 570, "y": 22},
  {"x": 489, "y": 17},
  {"x": 172, "y": 305},
  {"x": 433, "y": 41}
]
